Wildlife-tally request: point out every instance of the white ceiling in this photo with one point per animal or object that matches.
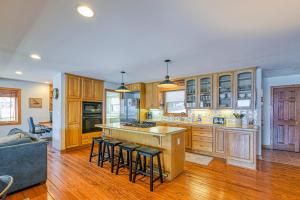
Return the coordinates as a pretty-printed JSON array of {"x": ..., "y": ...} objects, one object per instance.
[{"x": 200, "y": 36}]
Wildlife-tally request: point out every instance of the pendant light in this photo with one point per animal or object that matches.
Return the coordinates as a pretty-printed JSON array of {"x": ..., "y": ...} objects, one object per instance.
[
  {"x": 167, "y": 83},
  {"x": 122, "y": 88}
]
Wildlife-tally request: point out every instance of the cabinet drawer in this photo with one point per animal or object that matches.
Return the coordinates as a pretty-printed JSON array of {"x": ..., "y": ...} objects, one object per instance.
[
  {"x": 203, "y": 128},
  {"x": 202, "y": 146},
  {"x": 203, "y": 133},
  {"x": 202, "y": 139}
]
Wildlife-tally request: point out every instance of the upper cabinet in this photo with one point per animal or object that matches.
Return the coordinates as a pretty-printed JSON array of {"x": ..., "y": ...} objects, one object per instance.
[
  {"x": 191, "y": 93},
  {"x": 92, "y": 89},
  {"x": 73, "y": 87},
  {"x": 205, "y": 92},
  {"x": 152, "y": 96},
  {"x": 245, "y": 87},
  {"x": 225, "y": 90}
]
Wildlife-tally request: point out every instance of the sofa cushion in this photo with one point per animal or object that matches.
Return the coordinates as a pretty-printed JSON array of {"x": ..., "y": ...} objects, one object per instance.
[{"x": 15, "y": 139}]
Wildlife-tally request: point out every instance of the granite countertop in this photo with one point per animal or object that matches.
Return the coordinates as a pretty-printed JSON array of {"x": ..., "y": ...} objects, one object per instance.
[
  {"x": 157, "y": 130},
  {"x": 248, "y": 128}
]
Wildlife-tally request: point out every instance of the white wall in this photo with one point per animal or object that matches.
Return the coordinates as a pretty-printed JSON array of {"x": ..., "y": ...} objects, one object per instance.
[
  {"x": 28, "y": 89},
  {"x": 58, "y": 135},
  {"x": 110, "y": 85},
  {"x": 267, "y": 84}
]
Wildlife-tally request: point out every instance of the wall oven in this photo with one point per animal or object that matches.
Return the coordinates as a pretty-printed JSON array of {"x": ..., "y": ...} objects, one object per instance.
[{"x": 91, "y": 115}]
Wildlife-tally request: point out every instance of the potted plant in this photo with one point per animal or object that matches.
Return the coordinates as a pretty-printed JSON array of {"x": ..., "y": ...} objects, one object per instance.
[{"x": 238, "y": 118}]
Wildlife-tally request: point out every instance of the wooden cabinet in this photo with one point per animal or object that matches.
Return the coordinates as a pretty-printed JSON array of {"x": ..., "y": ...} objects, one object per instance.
[
  {"x": 135, "y": 86},
  {"x": 241, "y": 148},
  {"x": 73, "y": 86},
  {"x": 188, "y": 135},
  {"x": 244, "y": 89},
  {"x": 224, "y": 90},
  {"x": 202, "y": 138},
  {"x": 153, "y": 99},
  {"x": 191, "y": 93},
  {"x": 219, "y": 142},
  {"x": 205, "y": 92},
  {"x": 92, "y": 89},
  {"x": 73, "y": 119}
]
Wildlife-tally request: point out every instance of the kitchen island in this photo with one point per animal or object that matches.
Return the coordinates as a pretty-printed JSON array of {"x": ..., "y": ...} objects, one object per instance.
[{"x": 170, "y": 140}]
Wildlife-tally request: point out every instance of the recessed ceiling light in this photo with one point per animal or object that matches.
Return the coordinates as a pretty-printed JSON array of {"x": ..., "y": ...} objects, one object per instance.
[
  {"x": 35, "y": 56},
  {"x": 85, "y": 11},
  {"x": 19, "y": 72}
]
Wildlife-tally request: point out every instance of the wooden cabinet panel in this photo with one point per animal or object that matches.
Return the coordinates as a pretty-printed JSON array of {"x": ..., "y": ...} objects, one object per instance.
[
  {"x": 73, "y": 119},
  {"x": 73, "y": 112},
  {"x": 240, "y": 148},
  {"x": 224, "y": 90},
  {"x": 205, "y": 92},
  {"x": 87, "y": 88},
  {"x": 155, "y": 95},
  {"x": 202, "y": 138},
  {"x": 152, "y": 95},
  {"x": 202, "y": 146},
  {"x": 188, "y": 135},
  {"x": 98, "y": 90},
  {"x": 72, "y": 135},
  {"x": 219, "y": 141},
  {"x": 191, "y": 93},
  {"x": 73, "y": 86}
]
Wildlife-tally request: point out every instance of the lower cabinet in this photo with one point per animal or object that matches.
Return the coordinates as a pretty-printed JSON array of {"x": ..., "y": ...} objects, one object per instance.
[
  {"x": 219, "y": 142},
  {"x": 73, "y": 129},
  {"x": 202, "y": 138},
  {"x": 86, "y": 138},
  {"x": 241, "y": 148}
]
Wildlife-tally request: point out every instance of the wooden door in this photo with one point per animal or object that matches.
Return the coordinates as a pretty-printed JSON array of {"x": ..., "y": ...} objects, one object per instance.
[
  {"x": 219, "y": 141},
  {"x": 73, "y": 118},
  {"x": 87, "y": 88},
  {"x": 149, "y": 92},
  {"x": 73, "y": 86},
  {"x": 98, "y": 90},
  {"x": 286, "y": 118},
  {"x": 155, "y": 95}
]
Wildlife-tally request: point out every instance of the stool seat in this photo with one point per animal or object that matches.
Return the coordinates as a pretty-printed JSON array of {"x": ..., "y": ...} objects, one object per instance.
[
  {"x": 148, "y": 150},
  {"x": 112, "y": 141},
  {"x": 129, "y": 146}
]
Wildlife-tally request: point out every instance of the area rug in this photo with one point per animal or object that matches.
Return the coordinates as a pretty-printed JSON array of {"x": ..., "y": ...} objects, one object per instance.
[{"x": 198, "y": 159}]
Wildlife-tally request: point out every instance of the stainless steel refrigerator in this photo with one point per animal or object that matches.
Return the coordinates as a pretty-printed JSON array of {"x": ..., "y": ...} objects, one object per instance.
[{"x": 130, "y": 108}]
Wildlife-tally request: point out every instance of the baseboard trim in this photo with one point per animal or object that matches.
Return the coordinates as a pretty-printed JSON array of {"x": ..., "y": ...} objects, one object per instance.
[{"x": 269, "y": 147}]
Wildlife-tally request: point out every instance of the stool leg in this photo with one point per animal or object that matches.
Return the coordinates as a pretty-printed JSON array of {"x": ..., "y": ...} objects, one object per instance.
[
  {"x": 151, "y": 173},
  {"x": 119, "y": 159},
  {"x": 103, "y": 153},
  {"x": 92, "y": 150},
  {"x": 99, "y": 153},
  {"x": 112, "y": 158},
  {"x": 160, "y": 169},
  {"x": 136, "y": 166},
  {"x": 129, "y": 160},
  {"x": 145, "y": 164},
  {"x": 108, "y": 152}
]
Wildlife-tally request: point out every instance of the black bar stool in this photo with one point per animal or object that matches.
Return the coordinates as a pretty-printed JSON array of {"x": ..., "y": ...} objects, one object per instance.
[
  {"x": 98, "y": 140},
  {"x": 151, "y": 153},
  {"x": 109, "y": 146},
  {"x": 129, "y": 148}
]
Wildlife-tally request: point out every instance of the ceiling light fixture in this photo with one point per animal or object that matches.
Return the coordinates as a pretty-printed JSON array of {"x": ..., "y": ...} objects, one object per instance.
[
  {"x": 167, "y": 83},
  {"x": 122, "y": 88},
  {"x": 19, "y": 72},
  {"x": 46, "y": 82},
  {"x": 35, "y": 56},
  {"x": 85, "y": 11}
]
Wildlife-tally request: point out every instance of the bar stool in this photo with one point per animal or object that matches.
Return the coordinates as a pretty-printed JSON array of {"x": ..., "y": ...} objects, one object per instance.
[
  {"x": 151, "y": 153},
  {"x": 98, "y": 140},
  {"x": 129, "y": 148},
  {"x": 109, "y": 145}
]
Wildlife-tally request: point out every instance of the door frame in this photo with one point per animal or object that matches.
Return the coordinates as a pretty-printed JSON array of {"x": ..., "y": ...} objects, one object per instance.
[
  {"x": 272, "y": 108},
  {"x": 104, "y": 102}
]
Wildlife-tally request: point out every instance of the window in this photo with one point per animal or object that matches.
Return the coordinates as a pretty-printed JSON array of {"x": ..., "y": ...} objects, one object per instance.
[
  {"x": 112, "y": 106},
  {"x": 174, "y": 102},
  {"x": 10, "y": 106}
]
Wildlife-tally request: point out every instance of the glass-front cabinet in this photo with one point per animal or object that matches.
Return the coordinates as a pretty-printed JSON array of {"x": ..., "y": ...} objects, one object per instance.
[
  {"x": 205, "y": 91},
  {"x": 244, "y": 97},
  {"x": 225, "y": 90},
  {"x": 191, "y": 93}
]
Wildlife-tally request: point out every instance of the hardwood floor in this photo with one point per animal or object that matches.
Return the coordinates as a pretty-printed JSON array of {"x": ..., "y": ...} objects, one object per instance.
[
  {"x": 71, "y": 176},
  {"x": 284, "y": 157}
]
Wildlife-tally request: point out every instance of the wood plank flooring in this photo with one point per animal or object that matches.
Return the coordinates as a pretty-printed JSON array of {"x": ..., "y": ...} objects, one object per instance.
[
  {"x": 284, "y": 157},
  {"x": 71, "y": 176}
]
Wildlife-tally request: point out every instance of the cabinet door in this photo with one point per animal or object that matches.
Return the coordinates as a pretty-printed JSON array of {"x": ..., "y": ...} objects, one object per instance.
[
  {"x": 191, "y": 93},
  {"x": 149, "y": 91},
  {"x": 244, "y": 89},
  {"x": 240, "y": 147},
  {"x": 87, "y": 89},
  {"x": 98, "y": 90},
  {"x": 224, "y": 90},
  {"x": 202, "y": 137},
  {"x": 155, "y": 95},
  {"x": 205, "y": 97},
  {"x": 73, "y": 118},
  {"x": 73, "y": 86},
  {"x": 188, "y": 135},
  {"x": 219, "y": 141}
]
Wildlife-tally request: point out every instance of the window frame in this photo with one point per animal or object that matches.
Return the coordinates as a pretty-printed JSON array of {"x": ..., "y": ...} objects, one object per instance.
[
  {"x": 18, "y": 120},
  {"x": 165, "y": 105}
]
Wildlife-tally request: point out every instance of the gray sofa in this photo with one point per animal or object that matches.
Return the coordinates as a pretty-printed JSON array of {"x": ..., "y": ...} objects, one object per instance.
[{"x": 25, "y": 161}]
